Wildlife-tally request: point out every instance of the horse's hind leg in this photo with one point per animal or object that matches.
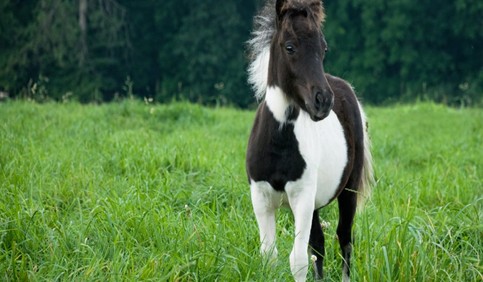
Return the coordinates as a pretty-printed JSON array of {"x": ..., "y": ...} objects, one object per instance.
[
  {"x": 317, "y": 244},
  {"x": 347, "y": 208}
]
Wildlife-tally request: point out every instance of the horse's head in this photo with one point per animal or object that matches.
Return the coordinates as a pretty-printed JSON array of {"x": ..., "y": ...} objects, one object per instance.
[{"x": 297, "y": 53}]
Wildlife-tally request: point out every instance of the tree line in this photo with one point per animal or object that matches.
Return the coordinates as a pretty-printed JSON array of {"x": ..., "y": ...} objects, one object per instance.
[{"x": 95, "y": 51}]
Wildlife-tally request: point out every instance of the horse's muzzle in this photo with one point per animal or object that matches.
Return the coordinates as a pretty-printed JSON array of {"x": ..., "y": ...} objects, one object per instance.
[{"x": 322, "y": 105}]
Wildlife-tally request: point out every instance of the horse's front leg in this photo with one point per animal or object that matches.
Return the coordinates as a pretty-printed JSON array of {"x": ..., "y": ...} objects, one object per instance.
[
  {"x": 265, "y": 201},
  {"x": 301, "y": 199}
]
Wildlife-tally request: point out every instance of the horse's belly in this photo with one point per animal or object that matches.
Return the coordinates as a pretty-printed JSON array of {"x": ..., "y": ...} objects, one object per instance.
[{"x": 324, "y": 148}]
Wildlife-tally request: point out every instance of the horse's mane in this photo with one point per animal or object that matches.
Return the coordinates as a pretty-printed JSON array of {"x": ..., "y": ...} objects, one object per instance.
[
  {"x": 259, "y": 48},
  {"x": 259, "y": 45}
]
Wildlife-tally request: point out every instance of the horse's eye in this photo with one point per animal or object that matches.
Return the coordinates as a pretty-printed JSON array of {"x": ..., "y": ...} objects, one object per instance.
[{"x": 289, "y": 48}]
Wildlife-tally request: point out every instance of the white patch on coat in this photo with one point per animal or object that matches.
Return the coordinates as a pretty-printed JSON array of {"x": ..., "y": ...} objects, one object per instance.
[
  {"x": 324, "y": 148},
  {"x": 277, "y": 103}
]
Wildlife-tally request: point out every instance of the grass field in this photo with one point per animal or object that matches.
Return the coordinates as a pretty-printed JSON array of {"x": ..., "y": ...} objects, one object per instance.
[{"x": 129, "y": 191}]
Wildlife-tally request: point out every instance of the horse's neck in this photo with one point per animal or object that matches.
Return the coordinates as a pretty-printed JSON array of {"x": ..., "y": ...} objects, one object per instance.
[{"x": 277, "y": 103}]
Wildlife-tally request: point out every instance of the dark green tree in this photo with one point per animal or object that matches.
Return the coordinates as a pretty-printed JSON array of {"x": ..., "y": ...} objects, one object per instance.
[
  {"x": 203, "y": 57},
  {"x": 67, "y": 47},
  {"x": 393, "y": 50},
  {"x": 15, "y": 17}
]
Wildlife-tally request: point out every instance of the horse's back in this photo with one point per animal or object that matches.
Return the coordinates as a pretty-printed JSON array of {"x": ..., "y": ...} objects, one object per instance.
[{"x": 344, "y": 95}]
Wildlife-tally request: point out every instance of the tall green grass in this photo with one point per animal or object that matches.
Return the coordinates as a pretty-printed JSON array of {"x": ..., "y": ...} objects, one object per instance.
[{"x": 129, "y": 191}]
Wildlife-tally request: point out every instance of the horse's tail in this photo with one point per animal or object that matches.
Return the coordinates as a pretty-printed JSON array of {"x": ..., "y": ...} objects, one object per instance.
[{"x": 367, "y": 174}]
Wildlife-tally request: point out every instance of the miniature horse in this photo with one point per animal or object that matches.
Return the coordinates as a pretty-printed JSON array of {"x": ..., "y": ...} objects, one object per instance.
[{"x": 309, "y": 143}]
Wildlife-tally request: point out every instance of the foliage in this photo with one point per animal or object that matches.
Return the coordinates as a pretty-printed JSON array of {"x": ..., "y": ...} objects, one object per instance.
[
  {"x": 195, "y": 50},
  {"x": 400, "y": 49},
  {"x": 203, "y": 57},
  {"x": 136, "y": 191},
  {"x": 51, "y": 46}
]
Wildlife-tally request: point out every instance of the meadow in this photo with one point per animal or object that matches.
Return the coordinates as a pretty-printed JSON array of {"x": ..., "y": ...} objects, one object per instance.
[{"x": 133, "y": 191}]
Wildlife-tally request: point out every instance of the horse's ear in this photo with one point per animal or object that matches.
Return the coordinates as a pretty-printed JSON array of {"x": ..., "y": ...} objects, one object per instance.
[
  {"x": 279, "y": 8},
  {"x": 318, "y": 10}
]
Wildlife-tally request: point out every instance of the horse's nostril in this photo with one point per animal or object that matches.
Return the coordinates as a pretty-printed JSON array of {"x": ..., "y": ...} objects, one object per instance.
[{"x": 319, "y": 99}]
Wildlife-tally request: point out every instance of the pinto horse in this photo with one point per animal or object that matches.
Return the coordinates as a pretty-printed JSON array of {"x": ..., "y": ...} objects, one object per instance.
[{"x": 309, "y": 143}]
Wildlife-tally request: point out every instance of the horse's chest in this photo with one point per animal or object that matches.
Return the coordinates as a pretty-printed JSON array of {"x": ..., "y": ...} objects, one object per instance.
[
  {"x": 301, "y": 153},
  {"x": 276, "y": 159},
  {"x": 323, "y": 147}
]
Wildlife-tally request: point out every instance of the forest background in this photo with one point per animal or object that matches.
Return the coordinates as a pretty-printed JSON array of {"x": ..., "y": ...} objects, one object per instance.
[{"x": 98, "y": 51}]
